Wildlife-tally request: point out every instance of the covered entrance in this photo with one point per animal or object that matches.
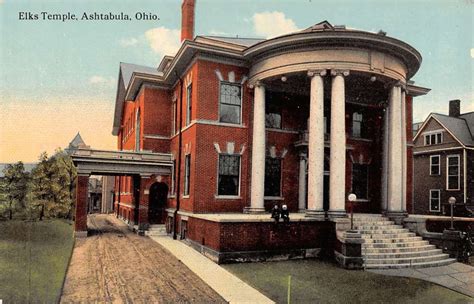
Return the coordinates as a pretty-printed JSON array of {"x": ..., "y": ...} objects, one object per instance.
[
  {"x": 140, "y": 165},
  {"x": 157, "y": 203}
]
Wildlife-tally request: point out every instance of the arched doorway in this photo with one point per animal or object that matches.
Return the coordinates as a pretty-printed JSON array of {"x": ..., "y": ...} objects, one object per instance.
[{"x": 157, "y": 203}]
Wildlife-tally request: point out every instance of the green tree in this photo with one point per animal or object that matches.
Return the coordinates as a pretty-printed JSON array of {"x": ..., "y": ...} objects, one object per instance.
[
  {"x": 15, "y": 187},
  {"x": 52, "y": 185}
]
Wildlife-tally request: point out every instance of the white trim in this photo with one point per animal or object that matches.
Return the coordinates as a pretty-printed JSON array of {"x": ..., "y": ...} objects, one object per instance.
[
  {"x": 447, "y": 172},
  {"x": 433, "y": 131},
  {"x": 274, "y": 198},
  {"x": 439, "y": 200},
  {"x": 464, "y": 164},
  {"x": 436, "y": 150},
  {"x": 282, "y": 130},
  {"x": 186, "y": 179},
  {"x": 439, "y": 164},
  {"x": 189, "y": 104},
  {"x": 218, "y": 123},
  {"x": 227, "y": 197},
  {"x": 430, "y": 136},
  {"x": 241, "y": 101},
  {"x": 156, "y": 137}
]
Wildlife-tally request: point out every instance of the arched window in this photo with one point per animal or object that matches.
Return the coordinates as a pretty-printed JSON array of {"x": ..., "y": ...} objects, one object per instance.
[{"x": 137, "y": 131}]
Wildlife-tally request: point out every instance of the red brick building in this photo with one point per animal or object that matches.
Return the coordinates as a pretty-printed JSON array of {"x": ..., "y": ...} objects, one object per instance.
[
  {"x": 444, "y": 162},
  {"x": 302, "y": 119}
]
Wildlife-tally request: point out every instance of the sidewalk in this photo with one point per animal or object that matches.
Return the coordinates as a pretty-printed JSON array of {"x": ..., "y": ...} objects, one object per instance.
[
  {"x": 457, "y": 276},
  {"x": 231, "y": 288}
]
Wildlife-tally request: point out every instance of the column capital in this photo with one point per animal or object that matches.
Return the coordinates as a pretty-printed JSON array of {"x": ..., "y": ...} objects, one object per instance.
[
  {"x": 312, "y": 73},
  {"x": 257, "y": 83},
  {"x": 400, "y": 84},
  {"x": 335, "y": 72}
]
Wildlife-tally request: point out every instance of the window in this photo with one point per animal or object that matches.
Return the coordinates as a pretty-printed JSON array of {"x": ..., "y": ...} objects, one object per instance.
[
  {"x": 357, "y": 125},
  {"x": 187, "y": 173},
  {"x": 229, "y": 175},
  {"x": 273, "y": 116},
  {"x": 137, "y": 132},
  {"x": 272, "y": 176},
  {"x": 189, "y": 102},
  {"x": 175, "y": 117},
  {"x": 230, "y": 102},
  {"x": 435, "y": 200},
  {"x": 433, "y": 139},
  {"x": 452, "y": 177},
  {"x": 360, "y": 179},
  {"x": 435, "y": 165},
  {"x": 173, "y": 178}
]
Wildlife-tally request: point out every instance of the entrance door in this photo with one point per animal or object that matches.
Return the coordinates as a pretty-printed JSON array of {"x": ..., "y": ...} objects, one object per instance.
[{"x": 157, "y": 203}]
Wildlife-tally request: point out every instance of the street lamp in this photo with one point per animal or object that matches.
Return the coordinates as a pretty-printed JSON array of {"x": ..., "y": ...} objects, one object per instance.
[
  {"x": 452, "y": 201},
  {"x": 352, "y": 197}
]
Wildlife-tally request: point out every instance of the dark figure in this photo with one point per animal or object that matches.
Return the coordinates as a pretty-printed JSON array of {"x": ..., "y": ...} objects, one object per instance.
[
  {"x": 276, "y": 213},
  {"x": 285, "y": 214}
]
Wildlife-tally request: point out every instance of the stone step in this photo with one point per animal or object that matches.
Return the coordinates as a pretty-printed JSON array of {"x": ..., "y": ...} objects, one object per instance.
[
  {"x": 384, "y": 236},
  {"x": 393, "y": 240},
  {"x": 373, "y": 223},
  {"x": 376, "y": 228},
  {"x": 384, "y": 231},
  {"x": 398, "y": 249},
  {"x": 416, "y": 243},
  {"x": 411, "y": 265},
  {"x": 408, "y": 260},
  {"x": 400, "y": 255}
]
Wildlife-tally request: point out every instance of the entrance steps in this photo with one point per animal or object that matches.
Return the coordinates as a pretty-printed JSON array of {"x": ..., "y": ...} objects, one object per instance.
[
  {"x": 387, "y": 245},
  {"x": 156, "y": 230}
]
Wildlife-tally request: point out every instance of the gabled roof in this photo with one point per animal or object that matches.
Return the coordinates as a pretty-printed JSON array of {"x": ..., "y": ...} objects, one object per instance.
[
  {"x": 460, "y": 127},
  {"x": 127, "y": 70},
  {"x": 77, "y": 141}
]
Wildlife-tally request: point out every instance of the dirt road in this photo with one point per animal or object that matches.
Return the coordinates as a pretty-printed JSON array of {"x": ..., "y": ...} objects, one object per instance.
[{"x": 117, "y": 266}]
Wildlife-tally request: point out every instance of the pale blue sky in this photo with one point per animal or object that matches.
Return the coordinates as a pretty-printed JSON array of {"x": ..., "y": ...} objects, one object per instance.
[{"x": 51, "y": 69}]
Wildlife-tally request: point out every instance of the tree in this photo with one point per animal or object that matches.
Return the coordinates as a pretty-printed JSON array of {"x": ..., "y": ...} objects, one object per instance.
[
  {"x": 14, "y": 188},
  {"x": 53, "y": 184}
]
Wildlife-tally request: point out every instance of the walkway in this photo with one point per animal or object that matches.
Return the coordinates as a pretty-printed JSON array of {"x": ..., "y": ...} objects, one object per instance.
[
  {"x": 114, "y": 265},
  {"x": 457, "y": 276},
  {"x": 231, "y": 288}
]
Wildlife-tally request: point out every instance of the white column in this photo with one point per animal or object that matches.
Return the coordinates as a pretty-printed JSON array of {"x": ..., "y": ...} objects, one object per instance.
[
  {"x": 404, "y": 152},
  {"x": 385, "y": 152},
  {"x": 337, "y": 160},
  {"x": 258, "y": 151},
  {"x": 394, "y": 193},
  {"x": 302, "y": 184},
  {"x": 316, "y": 146}
]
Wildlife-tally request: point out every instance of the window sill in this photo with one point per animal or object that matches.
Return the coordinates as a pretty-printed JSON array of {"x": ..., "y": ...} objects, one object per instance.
[
  {"x": 172, "y": 196},
  {"x": 453, "y": 189},
  {"x": 360, "y": 139},
  {"x": 227, "y": 197},
  {"x": 273, "y": 198},
  {"x": 185, "y": 196}
]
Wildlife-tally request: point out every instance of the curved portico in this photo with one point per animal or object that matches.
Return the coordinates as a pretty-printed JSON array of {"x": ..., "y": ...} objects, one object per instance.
[{"x": 331, "y": 65}]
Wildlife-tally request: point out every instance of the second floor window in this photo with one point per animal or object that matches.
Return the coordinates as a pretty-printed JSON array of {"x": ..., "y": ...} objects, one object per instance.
[
  {"x": 435, "y": 165},
  {"x": 452, "y": 180},
  {"x": 357, "y": 125},
  {"x": 273, "y": 116},
  {"x": 189, "y": 103},
  {"x": 230, "y": 103},
  {"x": 137, "y": 132}
]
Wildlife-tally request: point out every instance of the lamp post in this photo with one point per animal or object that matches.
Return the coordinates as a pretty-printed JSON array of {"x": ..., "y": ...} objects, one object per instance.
[
  {"x": 452, "y": 201},
  {"x": 352, "y": 197}
]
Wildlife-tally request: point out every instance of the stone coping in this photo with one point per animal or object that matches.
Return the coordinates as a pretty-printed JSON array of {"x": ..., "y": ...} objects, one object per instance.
[
  {"x": 419, "y": 217},
  {"x": 244, "y": 217}
]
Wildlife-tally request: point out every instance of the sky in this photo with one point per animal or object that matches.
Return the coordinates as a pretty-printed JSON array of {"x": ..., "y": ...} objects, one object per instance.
[{"x": 59, "y": 77}]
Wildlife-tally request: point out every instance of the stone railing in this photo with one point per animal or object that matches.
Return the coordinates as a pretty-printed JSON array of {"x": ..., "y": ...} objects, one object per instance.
[{"x": 122, "y": 155}]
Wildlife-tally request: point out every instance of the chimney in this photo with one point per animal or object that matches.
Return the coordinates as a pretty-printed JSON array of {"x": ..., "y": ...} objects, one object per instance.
[
  {"x": 187, "y": 20},
  {"x": 455, "y": 108}
]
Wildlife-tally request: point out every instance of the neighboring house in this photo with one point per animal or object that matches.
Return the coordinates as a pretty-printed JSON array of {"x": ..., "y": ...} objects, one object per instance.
[{"x": 444, "y": 161}]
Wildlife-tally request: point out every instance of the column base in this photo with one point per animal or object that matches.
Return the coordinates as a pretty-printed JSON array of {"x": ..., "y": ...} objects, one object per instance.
[
  {"x": 396, "y": 216},
  {"x": 318, "y": 214},
  {"x": 254, "y": 210},
  {"x": 337, "y": 213},
  {"x": 301, "y": 210}
]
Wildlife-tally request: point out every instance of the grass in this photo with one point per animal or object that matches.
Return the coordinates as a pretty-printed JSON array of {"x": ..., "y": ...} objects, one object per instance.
[
  {"x": 34, "y": 258},
  {"x": 313, "y": 281}
]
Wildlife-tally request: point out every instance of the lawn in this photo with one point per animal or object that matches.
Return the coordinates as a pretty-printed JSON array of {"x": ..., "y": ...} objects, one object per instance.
[
  {"x": 313, "y": 281},
  {"x": 34, "y": 258}
]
